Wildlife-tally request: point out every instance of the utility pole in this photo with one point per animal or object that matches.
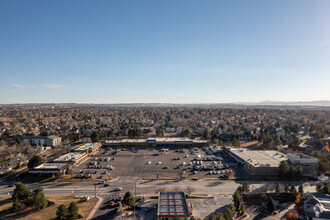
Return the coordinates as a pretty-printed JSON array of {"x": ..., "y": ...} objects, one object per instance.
[{"x": 95, "y": 190}]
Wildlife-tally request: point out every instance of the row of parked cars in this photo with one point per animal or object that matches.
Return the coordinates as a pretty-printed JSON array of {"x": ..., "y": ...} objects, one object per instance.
[
  {"x": 208, "y": 159},
  {"x": 104, "y": 158},
  {"x": 207, "y": 168},
  {"x": 208, "y": 150}
]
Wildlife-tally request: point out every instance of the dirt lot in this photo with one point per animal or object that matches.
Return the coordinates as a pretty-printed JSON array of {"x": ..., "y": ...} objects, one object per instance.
[{"x": 144, "y": 163}]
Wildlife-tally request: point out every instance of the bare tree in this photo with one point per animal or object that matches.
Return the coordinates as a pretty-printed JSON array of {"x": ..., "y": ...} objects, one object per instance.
[
  {"x": 189, "y": 190},
  {"x": 177, "y": 188}
]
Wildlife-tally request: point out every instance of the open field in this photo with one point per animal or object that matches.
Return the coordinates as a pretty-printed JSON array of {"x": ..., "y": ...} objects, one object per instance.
[{"x": 48, "y": 213}]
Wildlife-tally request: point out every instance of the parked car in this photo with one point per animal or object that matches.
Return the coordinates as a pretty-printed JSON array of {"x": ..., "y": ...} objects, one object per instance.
[
  {"x": 118, "y": 189},
  {"x": 111, "y": 204}
]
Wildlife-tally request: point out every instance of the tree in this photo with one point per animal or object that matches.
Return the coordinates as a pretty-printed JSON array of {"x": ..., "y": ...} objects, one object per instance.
[
  {"x": 325, "y": 187},
  {"x": 39, "y": 198},
  {"x": 185, "y": 133},
  {"x": 278, "y": 141},
  {"x": 294, "y": 143},
  {"x": 298, "y": 198},
  {"x": 283, "y": 169},
  {"x": 237, "y": 197},
  {"x": 160, "y": 132},
  {"x": 189, "y": 190},
  {"x": 206, "y": 134},
  {"x": 192, "y": 218},
  {"x": 128, "y": 199},
  {"x": 278, "y": 188},
  {"x": 319, "y": 187},
  {"x": 271, "y": 205},
  {"x": 43, "y": 131},
  {"x": 73, "y": 211},
  {"x": 230, "y": 212},
  {"x": 242, "y": 208},
  {"x": 293, "y": 189},
  {"x": 35, "y": 161},
  {"x": 62, "y": 212},
  {"x": 17, "y": 204},
  {"x": 21, "y": 193},
  {"x": 236, "y": 142},
  {"x": 246, "y": 187},
  {"x": 301, "y": 188},
  {"x": 95, "y": 137}
]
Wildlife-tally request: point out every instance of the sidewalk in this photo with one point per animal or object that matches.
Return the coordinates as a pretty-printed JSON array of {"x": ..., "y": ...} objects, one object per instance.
[{"x": 96, "y": 207}]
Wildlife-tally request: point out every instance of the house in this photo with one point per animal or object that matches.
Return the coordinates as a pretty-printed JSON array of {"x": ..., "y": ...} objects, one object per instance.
[{"x": 317, "y": 206}]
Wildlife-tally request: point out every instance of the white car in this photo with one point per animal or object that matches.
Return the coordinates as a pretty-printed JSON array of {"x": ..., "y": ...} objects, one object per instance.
[
  {"x": 149, "y": 162},
  {"x": 159, "y": 162},
  {"x": 118, "y": 189}
]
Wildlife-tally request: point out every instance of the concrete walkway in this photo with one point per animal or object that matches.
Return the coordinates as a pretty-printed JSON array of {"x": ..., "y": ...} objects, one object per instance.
[{"x": 96, "y": 207}]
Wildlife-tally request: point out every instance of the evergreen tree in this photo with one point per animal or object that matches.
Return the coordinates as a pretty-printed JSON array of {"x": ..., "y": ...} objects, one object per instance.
[
  {"x": 293, "y": 189},
  {"x": 271, "y": 205},
  {"x": 278, "y": 188},
  {"x": 62, "y": 212},
  {"x": 246, "y": 187},
  {"x": 95, "y": 137},
  {"x": 128, "y": 199},
  {"x": 301, "y": 188},
  {"x": 21, "y": 196},
  {"x": 35, "y": 161},
  {"x": 73, "y": 211},
  {"x": 39, "y": 198},
  {"x": 283, "y": 168},
  {"x": 230, "y": 212}
]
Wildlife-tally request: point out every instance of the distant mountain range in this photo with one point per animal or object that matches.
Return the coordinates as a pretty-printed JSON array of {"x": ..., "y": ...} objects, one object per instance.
[
  {"x": 281, "y": 103},
  {"x": 267, "y": 104}
]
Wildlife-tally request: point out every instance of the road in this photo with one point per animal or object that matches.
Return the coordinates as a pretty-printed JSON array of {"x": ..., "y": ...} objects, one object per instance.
[
  {"x": 220, "y": 190},
  {"x": 147, "y": 187}
]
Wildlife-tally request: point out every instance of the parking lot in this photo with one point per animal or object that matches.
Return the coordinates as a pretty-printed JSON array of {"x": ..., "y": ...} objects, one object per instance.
[{"x": 152, "y": 163}]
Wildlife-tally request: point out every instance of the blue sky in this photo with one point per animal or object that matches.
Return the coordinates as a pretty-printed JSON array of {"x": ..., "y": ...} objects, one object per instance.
[{"x": 169, "y": 51}]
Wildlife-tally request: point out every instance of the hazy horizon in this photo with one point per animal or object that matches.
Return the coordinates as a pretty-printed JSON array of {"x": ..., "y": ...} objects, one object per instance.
[{"x": 164, "y": 52}]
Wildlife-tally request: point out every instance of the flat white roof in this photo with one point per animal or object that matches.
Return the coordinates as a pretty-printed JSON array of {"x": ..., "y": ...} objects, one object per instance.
[
  {"x": 50, "y": 166},
  {"x": 157, "y": 139},
  {"x": 260, "y": 158},
  {"x": 69, "y": 156},
  {"x": 86, "y": 146}
]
